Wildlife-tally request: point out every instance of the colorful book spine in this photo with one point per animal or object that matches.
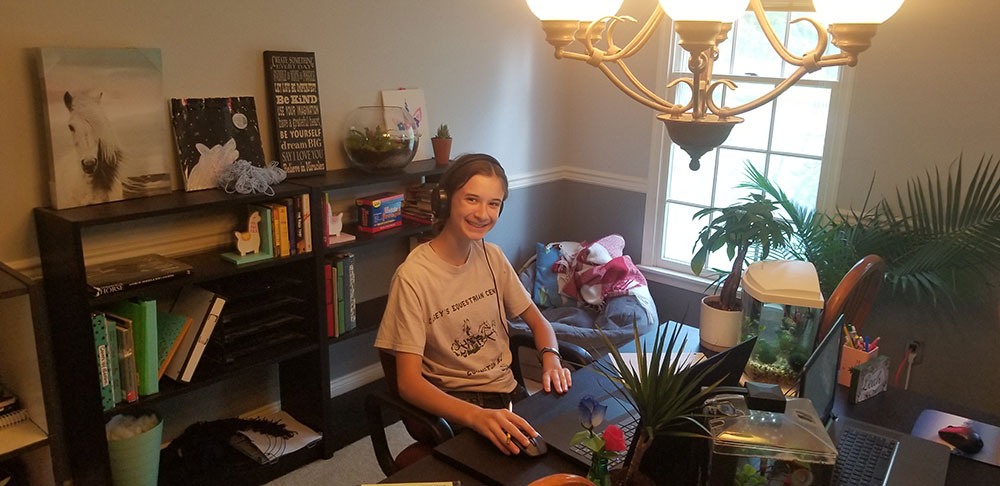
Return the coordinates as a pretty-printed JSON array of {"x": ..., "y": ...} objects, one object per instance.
[
  {"x": 350, "y": 299},
  {"x": 142, "y": 313},
  {"x": 293, "y": 243},
  {"x": 100, "y": 327},
  {"x": 331, "y": 323},
  {"x": 339, "y": 279},
  {"x": 307, "y": 223}
]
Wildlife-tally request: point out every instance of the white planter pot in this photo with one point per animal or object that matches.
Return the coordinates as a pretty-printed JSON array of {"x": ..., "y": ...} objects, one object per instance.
[{"x": 719, "y": 329}]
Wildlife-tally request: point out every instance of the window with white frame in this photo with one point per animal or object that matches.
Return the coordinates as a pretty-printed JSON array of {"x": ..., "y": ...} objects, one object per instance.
[{"x": 788, "y": 139}]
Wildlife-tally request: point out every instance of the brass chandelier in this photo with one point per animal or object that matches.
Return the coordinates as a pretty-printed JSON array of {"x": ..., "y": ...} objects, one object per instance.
[{"x": 701, "y": 25}]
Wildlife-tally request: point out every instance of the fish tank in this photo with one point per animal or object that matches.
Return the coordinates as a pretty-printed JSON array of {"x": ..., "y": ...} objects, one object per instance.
[
  {"x": 782, "y": 304},
  {"x": 756, "y": 447}
]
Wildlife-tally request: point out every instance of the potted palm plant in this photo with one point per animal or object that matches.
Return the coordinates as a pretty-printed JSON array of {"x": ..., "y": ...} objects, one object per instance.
[
  {"x": 749, "y": 223},
  {"x": 441, "y": 142},
  {"x": 662, "y": 387}
]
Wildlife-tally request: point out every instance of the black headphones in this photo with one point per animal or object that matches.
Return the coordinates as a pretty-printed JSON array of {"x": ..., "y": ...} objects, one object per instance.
[{"x": 440, "y": 197}]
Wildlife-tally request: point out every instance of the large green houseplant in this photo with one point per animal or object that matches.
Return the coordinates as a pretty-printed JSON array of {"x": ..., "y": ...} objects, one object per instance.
[
  {"x": 940, "y": 237},
  {"x": 748, "y": 224}
]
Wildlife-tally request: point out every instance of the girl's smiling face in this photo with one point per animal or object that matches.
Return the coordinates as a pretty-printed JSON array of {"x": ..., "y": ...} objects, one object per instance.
[{"x": 475, "y": 207}]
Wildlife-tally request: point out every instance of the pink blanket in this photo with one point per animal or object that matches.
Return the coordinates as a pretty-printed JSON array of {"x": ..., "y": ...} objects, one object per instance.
[{"x": 597, "y": 271}]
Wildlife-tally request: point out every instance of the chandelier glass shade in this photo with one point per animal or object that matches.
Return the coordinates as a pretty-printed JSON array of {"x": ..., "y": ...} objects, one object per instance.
[{"x": 700, "y": 125}]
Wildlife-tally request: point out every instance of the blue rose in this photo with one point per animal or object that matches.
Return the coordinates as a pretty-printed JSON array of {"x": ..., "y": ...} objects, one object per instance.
[{"x": 591, "y": 412}]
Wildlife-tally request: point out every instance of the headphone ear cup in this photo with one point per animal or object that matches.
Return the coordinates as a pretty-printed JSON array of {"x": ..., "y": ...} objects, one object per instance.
[{"x": 439, "y": 203}]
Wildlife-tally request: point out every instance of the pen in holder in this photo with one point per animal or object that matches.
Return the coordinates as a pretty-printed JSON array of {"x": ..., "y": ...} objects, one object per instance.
[{"x": 851, "y": 357}]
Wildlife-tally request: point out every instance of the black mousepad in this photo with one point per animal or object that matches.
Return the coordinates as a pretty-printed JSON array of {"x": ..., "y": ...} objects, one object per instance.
[
  {"x": 931, "y": 421},
  {"x": 477, "y": 456}
]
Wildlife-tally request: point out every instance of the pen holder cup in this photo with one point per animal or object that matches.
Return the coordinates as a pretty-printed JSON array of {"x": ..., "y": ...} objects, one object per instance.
[
  {"x": 851, "y": 357},
  {"x": 135, "y": 461}
]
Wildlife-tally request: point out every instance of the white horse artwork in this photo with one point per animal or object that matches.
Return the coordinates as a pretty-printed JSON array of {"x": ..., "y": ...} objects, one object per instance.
[
  {"x": 205, "y": 174},
  {"x": 97, "y": 147}
]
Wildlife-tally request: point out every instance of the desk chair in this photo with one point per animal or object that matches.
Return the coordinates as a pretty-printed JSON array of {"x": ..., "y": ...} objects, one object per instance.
[
  {"x": 854, "y": 295},
  {"x": 430, "y": 430}
]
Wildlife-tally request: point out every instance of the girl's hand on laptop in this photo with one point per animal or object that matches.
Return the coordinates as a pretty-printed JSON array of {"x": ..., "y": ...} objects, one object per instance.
[
  {"x": 504, "y": 428},
  {"x": 554, "y": 376}
]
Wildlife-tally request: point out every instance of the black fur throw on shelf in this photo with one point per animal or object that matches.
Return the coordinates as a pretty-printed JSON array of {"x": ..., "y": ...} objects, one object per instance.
[{"x": 203, "y": 455}]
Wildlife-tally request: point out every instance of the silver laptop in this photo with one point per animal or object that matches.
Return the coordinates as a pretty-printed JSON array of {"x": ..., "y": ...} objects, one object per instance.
[{"x": 867, "y": 454}]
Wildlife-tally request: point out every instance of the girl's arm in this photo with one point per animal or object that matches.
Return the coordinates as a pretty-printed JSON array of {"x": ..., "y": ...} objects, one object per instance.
[
  {"x": 494, "y": 424},
  {"x": 554, "y": 375}
]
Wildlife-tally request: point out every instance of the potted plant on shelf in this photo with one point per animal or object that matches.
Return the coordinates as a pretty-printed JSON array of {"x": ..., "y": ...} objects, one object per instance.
[
  {"x": 739, "y": 228},
  {"x": 441, "y": 142}
]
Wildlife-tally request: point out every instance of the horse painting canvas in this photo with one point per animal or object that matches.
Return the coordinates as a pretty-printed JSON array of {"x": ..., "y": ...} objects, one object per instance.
[{"x": 106, "y": 125}]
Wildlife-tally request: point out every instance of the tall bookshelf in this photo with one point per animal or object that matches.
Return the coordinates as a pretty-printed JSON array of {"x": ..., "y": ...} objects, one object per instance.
[
  {"x": 29, "y": 377},
  {"x": 303, "y": 365}
]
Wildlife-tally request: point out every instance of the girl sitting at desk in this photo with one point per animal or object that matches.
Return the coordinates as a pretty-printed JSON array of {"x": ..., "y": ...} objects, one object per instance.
[{"x": 446, "y": 316}]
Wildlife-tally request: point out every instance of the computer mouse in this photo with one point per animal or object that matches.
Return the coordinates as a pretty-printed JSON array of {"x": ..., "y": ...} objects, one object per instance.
[
  {"x": 536, "y": 446},
  {"x": 962, "y": 437}
]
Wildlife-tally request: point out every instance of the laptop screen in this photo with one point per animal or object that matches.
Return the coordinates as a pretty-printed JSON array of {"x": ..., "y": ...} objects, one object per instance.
[{"x": 819, "y": 376}]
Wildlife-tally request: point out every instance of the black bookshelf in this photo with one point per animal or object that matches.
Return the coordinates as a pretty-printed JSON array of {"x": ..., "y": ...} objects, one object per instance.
[{"x": 303, "y": 363}]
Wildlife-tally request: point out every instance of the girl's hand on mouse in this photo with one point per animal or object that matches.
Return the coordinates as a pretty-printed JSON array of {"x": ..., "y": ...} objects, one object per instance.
[{"x": 503, "y": 428}]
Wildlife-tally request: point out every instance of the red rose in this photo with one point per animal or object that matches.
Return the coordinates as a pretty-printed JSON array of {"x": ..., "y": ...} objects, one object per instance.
[{"x": 614, "y": 439}]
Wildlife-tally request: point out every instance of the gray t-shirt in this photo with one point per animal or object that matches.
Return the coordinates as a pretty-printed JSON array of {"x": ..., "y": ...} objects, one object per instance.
[{"x": 450, "y": 315}]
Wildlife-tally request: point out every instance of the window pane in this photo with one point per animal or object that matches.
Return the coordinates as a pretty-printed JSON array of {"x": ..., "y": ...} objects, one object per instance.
[
  {"x": 754, "y": 54},
  {"x": 800, "y": 120},
  {"x": 680, "y": 232},
  {"x": 756, "y": 127},
  {"x": 693, "y": 186},
  {"x": 732, "y": 172},
  {"x": 798, "y": 177}
]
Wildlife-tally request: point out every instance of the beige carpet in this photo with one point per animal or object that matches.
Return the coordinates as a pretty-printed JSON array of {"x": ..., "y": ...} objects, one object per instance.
[{"x": 350, "y": 466}]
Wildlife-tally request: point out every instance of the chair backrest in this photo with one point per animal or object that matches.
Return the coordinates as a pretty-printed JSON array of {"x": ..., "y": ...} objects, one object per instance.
[
  {"x": 562, "y": 479},
  {"x": 854, "y": 295}
]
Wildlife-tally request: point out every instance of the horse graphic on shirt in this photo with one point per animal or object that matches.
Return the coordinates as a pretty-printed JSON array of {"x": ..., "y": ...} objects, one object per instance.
[{"x": 473, "y": 343}]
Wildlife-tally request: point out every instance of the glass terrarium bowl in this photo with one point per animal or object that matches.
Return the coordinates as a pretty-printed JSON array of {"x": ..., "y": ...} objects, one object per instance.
[
  {"x": 781, "y": 306},
  {"x": 380, "y": 139}
]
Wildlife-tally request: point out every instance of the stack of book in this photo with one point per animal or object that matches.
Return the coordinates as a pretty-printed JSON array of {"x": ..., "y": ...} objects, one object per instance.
[
  {"x": 137, "y": 342},
  {"x": 341, "y": 301},
  {"x": 417, "y": 203},
  {"x": 285, "y": 228}
]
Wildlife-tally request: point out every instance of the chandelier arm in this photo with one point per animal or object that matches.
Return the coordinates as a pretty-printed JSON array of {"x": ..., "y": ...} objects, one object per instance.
[
  {"x": 641, "y": 37},
  {"x": 778, "y": 46},
  {"x": 663, "y": 108},
  {"x": 840, "y": 59},
  {"x": 576, "y": 56},
  {"x": 635, "y": 82},
  {"x": 767, "y": 98},
  {"x": 678, "y": 109}
]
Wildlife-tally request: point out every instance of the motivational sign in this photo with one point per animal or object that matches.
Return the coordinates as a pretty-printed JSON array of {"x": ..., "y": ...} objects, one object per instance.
[{"x": 295, "y": 116}]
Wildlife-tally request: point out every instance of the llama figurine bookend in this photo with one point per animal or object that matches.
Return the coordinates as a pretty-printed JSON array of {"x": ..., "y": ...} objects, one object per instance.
[{"x": 254, "y": 244}]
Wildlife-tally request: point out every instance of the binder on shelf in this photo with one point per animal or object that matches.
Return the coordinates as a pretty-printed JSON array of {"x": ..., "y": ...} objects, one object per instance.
[
  {"x": 203, "y": 307},
  {"x": 126, "y": 356},
  {"x": 170, "y": 331},
  {"x": 142, "y": 313},
  {"x": 13, "y": 418}
]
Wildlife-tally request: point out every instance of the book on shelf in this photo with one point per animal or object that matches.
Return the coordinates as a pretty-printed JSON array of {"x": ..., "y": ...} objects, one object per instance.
[
  {"x": 142, "y": 313},
  {"x": 307, "y": 222},
  {"x": 265, "y": 448},
  {"x": 339, "y": 280},
  {"x": 170, "y": 331},
  {"x": 203, "y": 307},
  {"x": 12, "y": 418},
  {"x": 102, "y": 344},
  {"x": 126, "y": 356},
  {"x": 347, "y": 281},
  {"x": 330, "y": 291},
  {"x": 114, "y": 276}
]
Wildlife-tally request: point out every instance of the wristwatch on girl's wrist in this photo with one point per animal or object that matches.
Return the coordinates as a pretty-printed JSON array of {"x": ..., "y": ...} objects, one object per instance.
[{"x": 548, "y": 349}]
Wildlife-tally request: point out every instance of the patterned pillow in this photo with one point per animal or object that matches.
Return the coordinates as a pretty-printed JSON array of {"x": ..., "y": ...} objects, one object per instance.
[{"x": 546, "y": 291}]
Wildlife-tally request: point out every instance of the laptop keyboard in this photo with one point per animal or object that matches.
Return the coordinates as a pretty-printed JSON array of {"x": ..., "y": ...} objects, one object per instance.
[
  {"x": 863, "y": 458},
  {"x": 628, "y": 426}
]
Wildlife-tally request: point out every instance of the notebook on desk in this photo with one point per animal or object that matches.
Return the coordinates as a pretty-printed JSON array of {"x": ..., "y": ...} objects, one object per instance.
[{"x": 892, "y": 458}]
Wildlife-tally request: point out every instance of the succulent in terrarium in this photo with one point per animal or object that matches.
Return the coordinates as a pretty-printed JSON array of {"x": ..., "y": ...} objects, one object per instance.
[{"x": 377, "y": 140}]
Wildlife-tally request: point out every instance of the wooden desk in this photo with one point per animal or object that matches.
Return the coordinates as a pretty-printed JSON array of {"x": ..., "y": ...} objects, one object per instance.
[{"x": 895, "y": 409}]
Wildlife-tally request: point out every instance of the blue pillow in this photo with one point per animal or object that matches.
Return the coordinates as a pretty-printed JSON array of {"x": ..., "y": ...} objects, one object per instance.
[{"x": 546, "y": 291}]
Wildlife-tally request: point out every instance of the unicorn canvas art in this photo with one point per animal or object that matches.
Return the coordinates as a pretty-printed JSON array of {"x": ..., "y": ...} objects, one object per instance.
[
  {"x": 211, "y": 134},
  {"x": 106, "y": 125}
]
